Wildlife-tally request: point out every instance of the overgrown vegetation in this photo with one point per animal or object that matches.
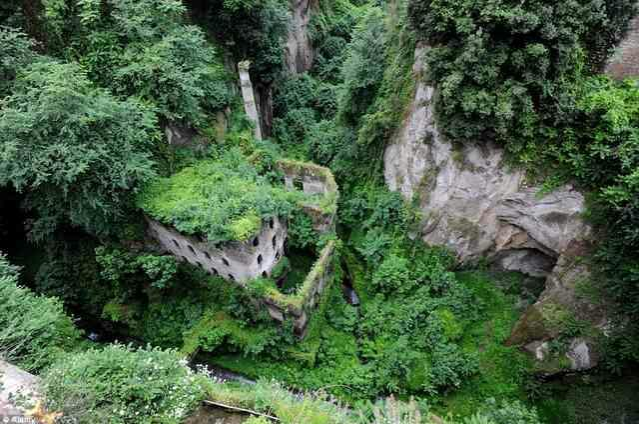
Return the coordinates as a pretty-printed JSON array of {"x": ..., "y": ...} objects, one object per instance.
[
  {"x": 525, "y": 75},
  {"x": 223, "y": 200},
  {"x": 34, "y": 330},
  {"x": 118, "y": 384},
  {"x": 85, "y": 100}
]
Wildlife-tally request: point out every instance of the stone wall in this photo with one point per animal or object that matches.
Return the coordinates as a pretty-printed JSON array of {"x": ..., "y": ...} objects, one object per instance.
[
  {"x": 233, "y": 261},
  {"x": 314, "y": 179},
  {"x": 248, "y": 95},
  {"x": 299, "y": 306},
  {"x": 244, "y": 261},
  {"x": 625, "y": 61}
]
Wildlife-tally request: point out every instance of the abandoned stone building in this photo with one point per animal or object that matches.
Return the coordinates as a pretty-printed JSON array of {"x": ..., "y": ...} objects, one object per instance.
[{"x": 234, "y": 261}]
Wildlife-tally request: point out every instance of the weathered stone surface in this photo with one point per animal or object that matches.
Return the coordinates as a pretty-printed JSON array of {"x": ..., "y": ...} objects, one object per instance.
[
  {"x": 564, "y": 299},
  {"x": 478, "y": 207},
  {"x": 550, "y": 221},
  {"x": 471, "y": 201},
  {"x": 581, "y": 355},
  {"x": 233, "y": 261},
  {"x": 248, "y": 95},
  {"x": 14, "y": 381},
  {"x": 299, "y": 49},
  {"x": 625, "y": 62}
]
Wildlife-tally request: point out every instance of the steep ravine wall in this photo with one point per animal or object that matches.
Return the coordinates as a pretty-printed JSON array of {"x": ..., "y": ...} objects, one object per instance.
[
  {"x": 299, "y": 50},
  {"x": 625, "y": 62},
  {"x": 478, "y": 207}
]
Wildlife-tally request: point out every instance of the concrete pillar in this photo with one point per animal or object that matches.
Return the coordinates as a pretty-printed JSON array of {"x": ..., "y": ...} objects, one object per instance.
[{"x": 249, "y": 97}]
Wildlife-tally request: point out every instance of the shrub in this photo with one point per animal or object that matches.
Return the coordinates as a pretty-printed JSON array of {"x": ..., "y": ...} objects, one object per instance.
[
  {"x": 122, "y": 385},
  {"x": 503, "y": 67},
  {"x": 34, "y": 330},
  {"x": 223, "y": 200}
]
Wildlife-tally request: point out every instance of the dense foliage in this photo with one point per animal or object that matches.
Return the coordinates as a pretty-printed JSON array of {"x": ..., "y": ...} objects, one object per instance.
[
  {"x": 76, "y": 150},
  {"x": 34, "y": 330},
  {"x": 502, "y": 67},
  {"x": 81, "y": 114},
  {"x": 145, "y": 49},
  {"x": 119, "y": 384},
  {"x": 223, "y": 200},
  {"x": 521, "y": 74}
]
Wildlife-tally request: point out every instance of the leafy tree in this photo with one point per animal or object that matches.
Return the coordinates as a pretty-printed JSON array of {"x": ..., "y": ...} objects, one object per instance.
[
  {"x": 144, "y": 49},
  {"x": 77, "y": 151},
  {"x": 363, "y": 69},
  {"x": 253, "y": 30},
  {"x": 502, "y": 67},
  {"x": 16, "y": 52}
]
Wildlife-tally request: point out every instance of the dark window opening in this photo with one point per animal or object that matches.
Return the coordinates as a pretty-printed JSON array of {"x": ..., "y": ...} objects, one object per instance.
[
  {"x": 207, "y": 255},
  {"x": 274, "y": 241},
  {"x": 176, "y": 244},
  {"x": 199, "y": 264},
  {"x": 256, "y": 242},
  {"x": 225, "y": 261},
  {"x": 277, "y": 255},
  {"x": 191, "y": 249},
  {"x": 214, "y": 271},
  {"x": 264, "y": 274},
  {"x": 259, "y": 260},
  {"x": 184, "y": 259},
  {"x": 298, "y": 184},
  {"x": 271, "y": 223},
  {"x": 231, "y": 277}
]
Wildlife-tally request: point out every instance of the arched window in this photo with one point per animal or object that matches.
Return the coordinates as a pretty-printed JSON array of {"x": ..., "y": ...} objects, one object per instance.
[
  {"x": 225, "y": 261},
  {"x": 264, "y": 274},
  {"x": 191, "y": 249},
  {"x": 274, "y": 241},
  {"x": 256, "y": 242},
  {"x": 259, "y": 259},
  {"x": 176, "y": 243},
  {"x": 207, "y": 255},
  {"x": 214, "y": 271},
  {"x": 231, "y": 277}
]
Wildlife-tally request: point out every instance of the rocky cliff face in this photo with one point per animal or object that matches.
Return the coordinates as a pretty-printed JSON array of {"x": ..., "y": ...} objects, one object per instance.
[
  {"x": 625, "y": 62},
  {"x": 299, "y": 51},
  {"x": 477, "y": 206},
  {"x": 472, "y": 201}
]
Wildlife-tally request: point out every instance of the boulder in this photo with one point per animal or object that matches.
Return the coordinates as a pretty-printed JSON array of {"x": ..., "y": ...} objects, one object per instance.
[{"x": 14, "y": 382}]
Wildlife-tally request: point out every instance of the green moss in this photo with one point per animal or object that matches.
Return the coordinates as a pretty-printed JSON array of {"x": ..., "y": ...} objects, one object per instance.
[{"x": 502, "y": 368}]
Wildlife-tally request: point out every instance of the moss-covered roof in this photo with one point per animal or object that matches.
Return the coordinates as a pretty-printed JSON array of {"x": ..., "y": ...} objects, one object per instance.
[{"x": 223, "y": 200}]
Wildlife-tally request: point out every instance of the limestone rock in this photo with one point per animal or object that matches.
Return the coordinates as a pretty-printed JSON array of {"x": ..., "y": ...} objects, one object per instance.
[
  {"x": 566, "y": 298},
  {"x": 476, "y": 205},
  {"x": 14, "y": 381},
  {"x": 472, "y": 202},
  {"x": 299, "y": 50},
  {"x": 551, "y": 221}
]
